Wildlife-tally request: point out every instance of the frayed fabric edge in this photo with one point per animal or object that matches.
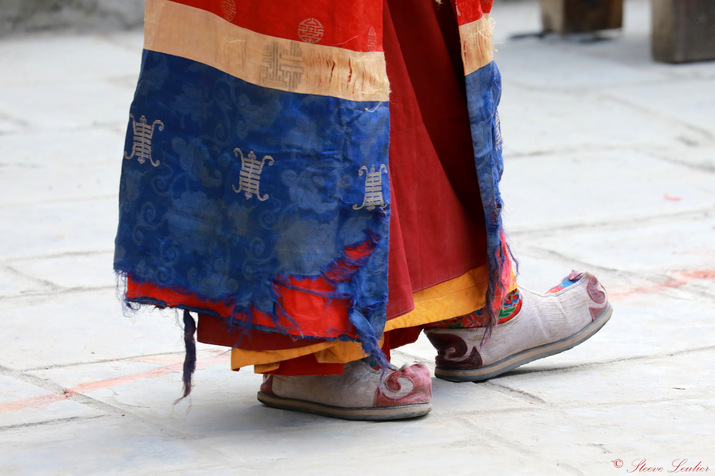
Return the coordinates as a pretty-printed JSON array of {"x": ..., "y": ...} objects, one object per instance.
[
  {"x": 500, "y": 274},
  {"x": 190, "y": 357},
  {"x": 341, "y": 270}
]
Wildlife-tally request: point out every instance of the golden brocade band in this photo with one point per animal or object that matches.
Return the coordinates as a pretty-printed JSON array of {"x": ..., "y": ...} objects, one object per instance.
[
  {"x": 263, "y": 60},
  {"x": 477, "y": 44}
]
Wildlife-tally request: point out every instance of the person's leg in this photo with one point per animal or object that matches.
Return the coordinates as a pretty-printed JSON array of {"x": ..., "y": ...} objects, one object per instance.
[
  {"x": 530, "y": 326},
  {"x": 426, "y": 154},
  {"x": 437, "y": 255}
]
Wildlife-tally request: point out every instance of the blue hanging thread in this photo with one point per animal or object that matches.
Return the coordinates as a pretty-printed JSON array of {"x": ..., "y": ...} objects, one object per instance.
[{"x": 190, "y": 358}]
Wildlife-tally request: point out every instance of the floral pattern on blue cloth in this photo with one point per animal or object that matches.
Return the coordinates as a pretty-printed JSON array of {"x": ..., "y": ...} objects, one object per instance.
[{"x": 248, "y": 185}]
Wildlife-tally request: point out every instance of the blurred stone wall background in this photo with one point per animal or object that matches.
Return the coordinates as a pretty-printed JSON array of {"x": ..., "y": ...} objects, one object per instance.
[{"x": 23, "y": 16}]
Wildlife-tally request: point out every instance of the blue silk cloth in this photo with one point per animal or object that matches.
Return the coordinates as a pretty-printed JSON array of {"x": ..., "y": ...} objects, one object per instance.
[{"x": 182, "y": 223}]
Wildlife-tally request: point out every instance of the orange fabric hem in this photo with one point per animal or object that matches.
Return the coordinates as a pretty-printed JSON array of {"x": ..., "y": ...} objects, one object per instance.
[{"x": 453, "y": 298}]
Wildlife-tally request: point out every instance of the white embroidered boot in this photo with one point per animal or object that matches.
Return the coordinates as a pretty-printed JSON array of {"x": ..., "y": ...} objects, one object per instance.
[
  {"x": 546, "y": 324},
  {"x": 360, "y": 393}
]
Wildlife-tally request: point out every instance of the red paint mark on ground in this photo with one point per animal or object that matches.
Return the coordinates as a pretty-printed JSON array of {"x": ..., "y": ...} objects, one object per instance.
[
  {"x": 677, "y": 280},
  {"x": 31, "y": 402},
  {"x": 699, "y": 274},
  {"x": 34, "y": 402}
]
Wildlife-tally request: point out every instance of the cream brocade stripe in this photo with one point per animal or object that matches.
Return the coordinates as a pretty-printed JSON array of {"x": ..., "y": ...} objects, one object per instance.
[
  {"x": 477, "y": 44},
  {"x": 263, "y": 60}
]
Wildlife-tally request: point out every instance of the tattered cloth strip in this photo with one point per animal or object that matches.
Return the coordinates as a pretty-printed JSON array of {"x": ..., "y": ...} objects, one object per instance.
[
  {"x": 190, "y": 359},
  {"x": 254, "y": 185}
]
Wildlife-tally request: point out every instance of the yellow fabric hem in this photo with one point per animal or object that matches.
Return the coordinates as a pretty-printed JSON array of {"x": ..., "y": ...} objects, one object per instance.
[
  {"x": 452, "y": 298},
  {"x": 241, "y": 357},
  {"x": 269, "y": 360}
]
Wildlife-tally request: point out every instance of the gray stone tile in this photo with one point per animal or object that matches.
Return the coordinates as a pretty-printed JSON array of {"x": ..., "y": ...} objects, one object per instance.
[
  {"x": 95, "y": 376},
  {"x": 541, "y": 270},
  {"x": 685, "y": 151},
  {"x": 148, "y": 386},
  {"x": 90, "y": 270},
  {"x": 13, "y": 283},
  {"x": 671, "y": 245},
  {"x": 80, "y": 327},
  {"x": 664, "y": 377},
  {"x": 108, "y": 445},
  {"x": 223, "y": 406},
  {"x": 51, "y": 183},
  {"x": 555, "y": 64},
  {"x": 689, "y": 101},
  {"x": 80, "y": 104},
  {"x": 67, "y": 58},
  {"x": 532, "y": 122},
  {"x": 660, "y": 432},
  {"x": 56, "y": 228},
  {"x": 71, "y": 150},
  {"x": 23, "y": 404},
  {"x": 590, "y": 438},
  {"x": 599, "y": 187},
  {"x": 10, "y": 124}
]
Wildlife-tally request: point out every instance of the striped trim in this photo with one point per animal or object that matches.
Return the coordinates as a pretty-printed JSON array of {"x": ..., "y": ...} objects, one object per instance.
[
  {"x": 354, "y": 25},
  {"x": 477, "y": 45},
  {"x": 265, "y": 61}
]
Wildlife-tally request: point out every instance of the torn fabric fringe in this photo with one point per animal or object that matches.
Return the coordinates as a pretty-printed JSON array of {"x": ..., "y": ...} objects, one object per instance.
[
  {"x": 190, "y": 358},
  {"x": 500, "y": 276}
]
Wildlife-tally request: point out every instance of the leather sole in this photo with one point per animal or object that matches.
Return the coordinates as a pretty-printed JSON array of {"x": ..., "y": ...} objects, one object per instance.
[
  {"x": 525, "y": 356},
  {"x": 365, "y": 413}
]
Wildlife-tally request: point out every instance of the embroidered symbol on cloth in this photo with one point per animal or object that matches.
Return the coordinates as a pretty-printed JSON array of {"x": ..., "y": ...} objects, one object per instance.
[
  {"x": 282, "y": 67},
  {"x": 310, "y": 30},
  {"x": 372, "y": 39},
  {"x": 229, "y": 9},
  {"x": 250, "y": 176},
  {"x": 373, "y": 187},
  {"x": 143, "y": 134}
]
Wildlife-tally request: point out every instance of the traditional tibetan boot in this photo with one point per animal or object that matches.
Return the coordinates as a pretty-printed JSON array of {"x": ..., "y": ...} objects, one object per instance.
[
  {"x": 360, "y": 393},
  {"x": 535, "y": 326}
]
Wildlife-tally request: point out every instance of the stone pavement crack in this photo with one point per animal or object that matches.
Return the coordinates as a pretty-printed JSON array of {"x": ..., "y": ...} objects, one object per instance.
[
  {"x": 520, "y": 394},
  {"x": 600, "y": 363},
  {"x": 139, "y": 357},
  {"x": 616, "y": 224},
  {"x": 54, "y": 292},
  {"x": 56, "y": 421}
]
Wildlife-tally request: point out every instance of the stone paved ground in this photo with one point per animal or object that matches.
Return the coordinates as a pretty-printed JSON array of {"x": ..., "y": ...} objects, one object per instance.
[{"x": 610, "y": 164}]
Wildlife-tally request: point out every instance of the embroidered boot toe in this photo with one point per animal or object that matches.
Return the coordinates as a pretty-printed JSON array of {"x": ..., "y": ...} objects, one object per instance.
[
  {"x": 546, "y": 324},
  {"x": 360, "y": 393}
]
